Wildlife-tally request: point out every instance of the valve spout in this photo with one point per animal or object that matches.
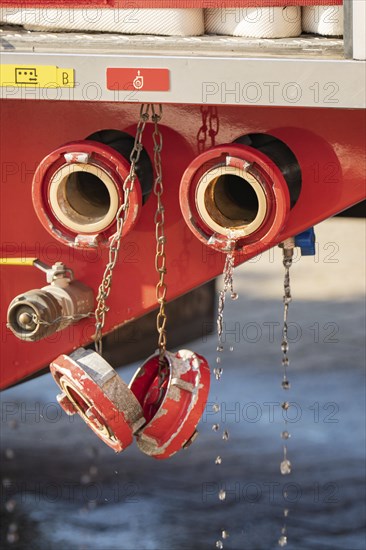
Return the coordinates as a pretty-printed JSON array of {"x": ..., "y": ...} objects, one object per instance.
[{"x": 38, "y": 313}]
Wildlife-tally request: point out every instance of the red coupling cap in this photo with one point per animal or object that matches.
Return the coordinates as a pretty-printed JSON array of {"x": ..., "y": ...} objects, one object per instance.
[
  {"x": 78, "y": 190},
  {"x": 173, "y": 410},
  {"x": 93, "y": 389}
]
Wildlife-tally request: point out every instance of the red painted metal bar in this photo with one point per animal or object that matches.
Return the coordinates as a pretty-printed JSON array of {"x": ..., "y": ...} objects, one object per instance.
[{"x": 127, "y": 4}]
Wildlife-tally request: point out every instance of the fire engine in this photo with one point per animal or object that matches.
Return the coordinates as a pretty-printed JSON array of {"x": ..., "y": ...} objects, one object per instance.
[{"x": 140, "y": 146}]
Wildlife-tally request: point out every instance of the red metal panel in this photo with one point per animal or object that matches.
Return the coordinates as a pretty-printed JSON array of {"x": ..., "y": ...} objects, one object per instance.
[
  {"x": 334, "y": 181},
  {"x": 166, "y": 3}
]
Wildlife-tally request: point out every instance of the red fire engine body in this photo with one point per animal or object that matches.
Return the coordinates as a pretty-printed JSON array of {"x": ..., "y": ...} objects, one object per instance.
[{"x": 285, "y": 116}]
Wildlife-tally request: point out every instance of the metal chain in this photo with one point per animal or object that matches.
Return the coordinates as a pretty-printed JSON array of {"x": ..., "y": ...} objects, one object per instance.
[
  {"x": 214, "y": 124},
  {"x": 128, "y": 186},
  {"x": 159, "y": 220},
  {"x": 228, "y": 284},
  {"x": 285, "y": 467},
  {"x": 210, "y": 125},
  {"x": 228, "y": 277},
  {"x": 202, "y": 132},
  {"x": 62, "y": 318},
  {"x": 287, "y": 298}
]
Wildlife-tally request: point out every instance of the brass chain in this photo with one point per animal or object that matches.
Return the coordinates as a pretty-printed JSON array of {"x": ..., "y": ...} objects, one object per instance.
[
  {"x": 121, "y": 215},
  {"x": 159, "y": 220}
]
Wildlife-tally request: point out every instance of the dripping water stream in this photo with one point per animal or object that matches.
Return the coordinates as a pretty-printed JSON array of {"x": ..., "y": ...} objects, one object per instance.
[{"x": 228, "y": 286}]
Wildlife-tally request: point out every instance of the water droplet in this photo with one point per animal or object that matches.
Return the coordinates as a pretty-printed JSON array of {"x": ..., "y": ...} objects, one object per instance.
[
  {"x": 234, "y": 296},
  {"x": 116, "y": 472},
  {"x": 225, "y": 435},
  {"x": 231, "y": 348},
  {"x": 215, "y": 427},
  {"x": 285, "y": 361},
  {"x": 284, "y": 346},
  {"x": 92, "y": 452},
  {"x": 286, "y": 384},
  {"x": 285, "y": 435},
  {"x": 225, "y": 534},
  {"x": 285, "y": 512},
  {"x": 218, "y": 460},
  {"x": 285, "y": 467},
  {"x": 9, "y": 453},
  {"x": 216, "y": 407},
  {"x": 220, "y": 348},
  {"x": 218, "y": 359},
  {"x": 12, "y": 537},
  {"x": 219, "y": 544},
  {"x": 222, "y": 494},
  {"x": 285, "y": 405},
  {"x": 282, "y": 541},
  {"x": 10, "y": 505},
  {"x": 218, "y": 373},
  {"x": 283, "y": 531},
  {"x": 85, "y": 479}
]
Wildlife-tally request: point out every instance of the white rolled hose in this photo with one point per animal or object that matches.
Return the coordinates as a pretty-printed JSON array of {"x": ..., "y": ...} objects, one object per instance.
[
  {"x": 273, "y": 22},
  {"x": 166, "y": 22},
  {"x": 324, "y": 20}
]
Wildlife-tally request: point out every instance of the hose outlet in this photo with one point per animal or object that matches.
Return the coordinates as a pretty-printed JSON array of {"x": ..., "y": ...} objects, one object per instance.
[
  {"x": 78, "y": 188},
  {"x": 240, "y": 193}
]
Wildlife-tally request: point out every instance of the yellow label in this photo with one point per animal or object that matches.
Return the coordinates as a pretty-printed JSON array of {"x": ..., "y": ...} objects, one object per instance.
[{"x": 41, "y": 76}]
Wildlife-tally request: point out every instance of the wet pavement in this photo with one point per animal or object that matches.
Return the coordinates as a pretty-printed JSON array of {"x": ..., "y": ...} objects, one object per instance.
[{"x": 63, "y": 489}]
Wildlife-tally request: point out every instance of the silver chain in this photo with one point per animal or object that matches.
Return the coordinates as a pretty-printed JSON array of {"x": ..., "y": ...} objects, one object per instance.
[
  {"x": 121, "y": 215},
  {"x": 228, "y": 284},
  {"x": 228, "y": 276},
  {"x": 285, "y": 467},
  {"x": 287, "y": 298}
]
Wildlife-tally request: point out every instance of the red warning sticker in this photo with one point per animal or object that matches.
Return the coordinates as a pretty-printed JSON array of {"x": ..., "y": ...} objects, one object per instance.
[{"x": 146, "y": 80}]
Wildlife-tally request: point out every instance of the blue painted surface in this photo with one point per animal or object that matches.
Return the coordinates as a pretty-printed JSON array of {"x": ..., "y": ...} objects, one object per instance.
[{"x": 306, "y": 241}]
